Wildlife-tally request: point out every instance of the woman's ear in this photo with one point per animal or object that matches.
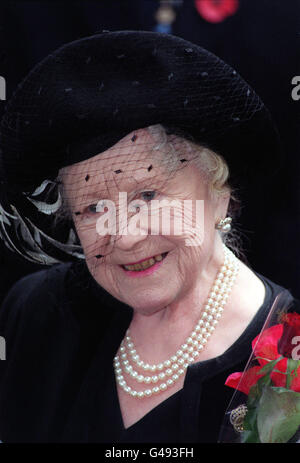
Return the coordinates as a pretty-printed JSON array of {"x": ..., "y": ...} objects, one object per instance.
[{"x": 222, "y": 203}]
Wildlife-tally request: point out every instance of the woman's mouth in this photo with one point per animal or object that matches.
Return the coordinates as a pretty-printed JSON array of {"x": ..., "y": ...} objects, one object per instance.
[{"x": 144, "y": 266}]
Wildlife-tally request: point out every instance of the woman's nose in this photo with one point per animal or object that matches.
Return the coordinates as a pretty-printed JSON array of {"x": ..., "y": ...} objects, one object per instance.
[
  {"x": 124, "y": 230},
  {"x": 128, "y": 238},
  {"x": 132, "y": 231}
]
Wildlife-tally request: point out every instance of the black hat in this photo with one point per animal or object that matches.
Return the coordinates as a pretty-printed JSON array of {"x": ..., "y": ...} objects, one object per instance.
[
  {"x": 87, "y": 95},
  {"x": 90, "y": 93}
]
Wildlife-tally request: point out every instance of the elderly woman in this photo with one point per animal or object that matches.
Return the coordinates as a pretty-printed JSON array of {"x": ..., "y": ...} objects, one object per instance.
[{"x": 133, "y": 338}]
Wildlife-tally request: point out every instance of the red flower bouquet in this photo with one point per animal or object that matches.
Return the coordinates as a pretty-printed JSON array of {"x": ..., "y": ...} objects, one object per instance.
[{"x": 271, "y": 382}]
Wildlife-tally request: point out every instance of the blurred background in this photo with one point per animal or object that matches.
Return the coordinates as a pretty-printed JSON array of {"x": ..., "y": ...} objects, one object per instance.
[{"x": 259, "y": 38}]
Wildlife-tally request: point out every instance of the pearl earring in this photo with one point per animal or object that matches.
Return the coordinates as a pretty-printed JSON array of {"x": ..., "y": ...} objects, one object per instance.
[{"x": 224, "y": 225}]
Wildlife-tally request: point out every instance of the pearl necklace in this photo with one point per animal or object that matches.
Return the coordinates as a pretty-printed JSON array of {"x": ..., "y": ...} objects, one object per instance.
[{"x": 170, "y": 370}]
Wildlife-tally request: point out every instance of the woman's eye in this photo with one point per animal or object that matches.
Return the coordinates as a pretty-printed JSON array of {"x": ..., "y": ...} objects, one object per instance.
[
  {"x": 148, "y": 195},
  {"x": 92, "y": 208}
]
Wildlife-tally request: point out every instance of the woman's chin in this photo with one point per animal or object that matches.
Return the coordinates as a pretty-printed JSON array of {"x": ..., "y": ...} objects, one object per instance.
[{"x": 148, "y": 303}]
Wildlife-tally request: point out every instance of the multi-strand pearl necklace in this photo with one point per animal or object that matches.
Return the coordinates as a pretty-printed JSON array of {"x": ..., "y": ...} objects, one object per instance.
[{"x": 169, "y": 371}]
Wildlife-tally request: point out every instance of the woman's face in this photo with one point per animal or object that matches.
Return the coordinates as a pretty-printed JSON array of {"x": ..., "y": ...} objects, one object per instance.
[{"x": 131, "y": 173}]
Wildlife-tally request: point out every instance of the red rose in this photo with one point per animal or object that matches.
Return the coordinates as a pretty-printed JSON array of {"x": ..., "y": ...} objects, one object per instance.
[
  {"x": 266, "y": 348},
  {"x": 215, "y": 11},
  {"x": 250, "y": 378}
]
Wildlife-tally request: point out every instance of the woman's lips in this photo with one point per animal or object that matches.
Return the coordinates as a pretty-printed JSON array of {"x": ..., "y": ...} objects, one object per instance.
[
  {"x": 147, "y": 258},
  {"x": 151, "y": 264}
]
